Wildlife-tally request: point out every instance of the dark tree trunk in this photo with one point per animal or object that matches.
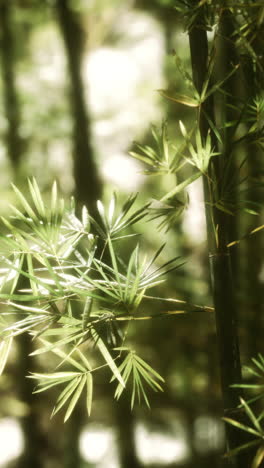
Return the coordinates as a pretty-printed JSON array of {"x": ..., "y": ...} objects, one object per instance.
[
  {"x": 33, "y": 435},
  {"x": 125, "y": 421},
  {"x": 71, "y": 438},
  {"x": 36, "y": 445},
  {"x": 88, "y": 186},
  {"x": 10, "y": 96}
]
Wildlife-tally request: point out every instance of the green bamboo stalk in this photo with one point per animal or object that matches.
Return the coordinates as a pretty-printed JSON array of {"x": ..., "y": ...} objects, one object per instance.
[
  {"x": 228, "y": 59},
  {"x": 217, "y": 235},
  {"x": 254, "y": 87}
]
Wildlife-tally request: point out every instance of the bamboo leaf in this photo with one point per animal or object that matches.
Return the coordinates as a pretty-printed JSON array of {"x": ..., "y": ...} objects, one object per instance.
[
  {"x": 89, "y": 398},
  {"x": 24, "y": 203},
  {"x": 251, "y": 415},
  {"x": 75, "y": 398},
  {"x": 217, "y": 86},
  {"x": 258, "y": 364},
  {"x": 101, "y": 211},
  {"x": 55, "y": 348},
  {"x": 37, "y": 198},
  {"x": 84, "y": 359},
  {"x": 259, "y": 457},
  {"x": 108, "y": 358},
  {"x": 54, "y": 376},
  {"x": 180, "y": 99},
  {"x": 5, "y": 347},
  {"x": 111, "y": 209},
  {"x": 181, "y": 186},
  {"x": 149, "y": 368},
  {"x": 29, "y": 309},
  {"x": 85, "y": 217},
  {"x": 43, "y": 387},
  {"x": 54, "y": 199},
  {"x": 115, "y": 266},
  {"x": 31, "y": 272},
  {"x": 241, "y": 448},
  {"x": 243, "y": 427},
  {"x": 66, "y": 394}
]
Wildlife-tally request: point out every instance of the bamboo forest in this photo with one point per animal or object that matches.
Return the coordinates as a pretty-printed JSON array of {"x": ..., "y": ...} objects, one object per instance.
[{"x": 131, "y": 241}]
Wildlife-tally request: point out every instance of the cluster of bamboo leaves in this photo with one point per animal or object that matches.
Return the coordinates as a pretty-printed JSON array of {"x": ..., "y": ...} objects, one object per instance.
[
  {"x": 255, "y": 427},
  {"x": 64, "y": 283},
  {"x": 164, "y": 158}
]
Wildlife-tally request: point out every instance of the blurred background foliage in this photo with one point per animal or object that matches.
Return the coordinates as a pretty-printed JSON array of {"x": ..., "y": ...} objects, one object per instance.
[{"x": 78, "y": 86}]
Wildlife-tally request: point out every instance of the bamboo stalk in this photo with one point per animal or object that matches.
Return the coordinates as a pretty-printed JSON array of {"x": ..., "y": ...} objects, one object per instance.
[
  {"x": 254, "y": 287},
  {"x": 217, "y": 235}
]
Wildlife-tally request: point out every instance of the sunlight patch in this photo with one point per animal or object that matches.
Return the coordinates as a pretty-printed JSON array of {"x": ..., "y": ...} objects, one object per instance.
[
  {"x": 97, "y": 445},
  {"x": 123, "y": 172},
  {"x": 12, "y": 441},
  {"x": 155, "y": 447}
]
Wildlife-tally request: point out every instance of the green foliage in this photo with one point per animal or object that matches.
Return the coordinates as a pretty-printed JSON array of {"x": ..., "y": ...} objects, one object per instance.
[
  {"x": 133, "y": 366},
  {"x": 163, "y": 158},
  {"x": 255, "y": 119},
  {"x": 167, "y": 159},
  {"x": 190, "y": 10},
  {"x": 201, "y": 153},
  {"x": 112, "y": 223},
  {"x": 56, "y": 287},
  {"x": 256, "y": 370},
  {"x": 74, "y": 381},
  {"x": 255, "y": 428}
]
